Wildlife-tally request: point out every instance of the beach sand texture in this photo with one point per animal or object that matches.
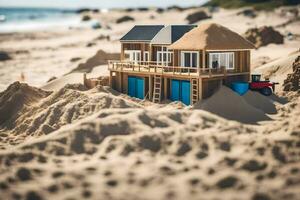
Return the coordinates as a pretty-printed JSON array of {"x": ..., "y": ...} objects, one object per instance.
[{"x": 59, "y": 140}]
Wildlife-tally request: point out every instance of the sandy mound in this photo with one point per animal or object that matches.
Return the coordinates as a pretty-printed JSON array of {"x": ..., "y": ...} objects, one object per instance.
[
  {"x": 65, "y": 106},
  {"x": 156, "y": 154},
  {"x": 230, "y": 105},
  {"x": 100, "y": 58},
  {"x": 260, "y": 102},
  {"x": 16, "y": 97},
  {"x": 292, "y": 82},
  {"x": 4, "y": 56},
  {"x": 59, "y": 83},
  {"x": 124, "y": 19},
  {"x": 263, "y": 36},
  {"x": 249, "y": 12},
  {"x": 197, "y": 16},
  {"x": 278, "y": 70}
]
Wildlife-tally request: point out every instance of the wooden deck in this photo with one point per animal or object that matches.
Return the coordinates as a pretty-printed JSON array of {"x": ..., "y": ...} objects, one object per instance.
[{"x": 151, "y": 68}]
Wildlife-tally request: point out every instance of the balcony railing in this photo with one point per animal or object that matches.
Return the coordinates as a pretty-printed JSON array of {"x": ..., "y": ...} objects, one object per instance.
[{"x": 152, "y": 67}]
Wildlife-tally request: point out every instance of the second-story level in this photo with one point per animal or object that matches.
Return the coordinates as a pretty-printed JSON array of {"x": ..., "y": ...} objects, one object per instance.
[{"x": 205, "y": 50}]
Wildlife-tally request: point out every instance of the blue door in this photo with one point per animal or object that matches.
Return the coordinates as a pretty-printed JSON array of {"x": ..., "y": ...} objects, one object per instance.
[
  {"x": 139, "y": 88},
  {"x": 136, "y": 87},
  {"x": 131, "y": 86},
  {"x": 181, "y": 91},
  {"x": 185, "y": 92},
  {"x": 175, "y": 90}
]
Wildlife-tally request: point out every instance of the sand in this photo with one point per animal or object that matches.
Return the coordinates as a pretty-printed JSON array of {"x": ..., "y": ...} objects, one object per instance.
[
  {"x": 230, "y": 105},
  {"x": 24, "y": 120},
  {"x": 59, "y": 140},
  {"x": 141, "y": 153},
  {"x": 277, "y": 70}
]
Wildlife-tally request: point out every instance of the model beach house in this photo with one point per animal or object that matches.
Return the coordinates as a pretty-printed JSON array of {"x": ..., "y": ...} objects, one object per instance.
[{"x": 179, "y": 62}]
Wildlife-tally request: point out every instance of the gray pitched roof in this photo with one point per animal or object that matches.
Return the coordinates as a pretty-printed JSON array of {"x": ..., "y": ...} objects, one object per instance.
[
  {"x": 171, "y": 34},
  {"x": 142, "y": 33}
]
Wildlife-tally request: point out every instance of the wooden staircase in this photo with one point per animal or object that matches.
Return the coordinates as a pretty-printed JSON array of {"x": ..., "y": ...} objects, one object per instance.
[
  {"x": 157, "y": 89},
  {"x": 195, "y": 90}
]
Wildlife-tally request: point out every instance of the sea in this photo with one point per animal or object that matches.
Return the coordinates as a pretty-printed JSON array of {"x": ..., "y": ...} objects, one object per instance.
[{"x": 28, "y": 19}]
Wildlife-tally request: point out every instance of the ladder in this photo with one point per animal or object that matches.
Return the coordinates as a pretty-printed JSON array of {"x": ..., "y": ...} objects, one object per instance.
[
  {"x": 195, "y": 90},
  {"x": 157, "y": 89}
]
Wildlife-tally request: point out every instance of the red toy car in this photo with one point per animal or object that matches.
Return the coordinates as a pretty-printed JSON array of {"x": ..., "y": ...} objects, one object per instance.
[{"x": 264, "y": 87}]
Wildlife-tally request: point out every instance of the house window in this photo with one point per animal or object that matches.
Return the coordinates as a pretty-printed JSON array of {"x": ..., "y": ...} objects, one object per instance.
[
  {"x": 133, "y": 56},
  {"x": 164, "y": 56},
  {"x": 217, "y": 60},
  {"x": 189, "y": 58},
  {"x": 146, "y": 56}
]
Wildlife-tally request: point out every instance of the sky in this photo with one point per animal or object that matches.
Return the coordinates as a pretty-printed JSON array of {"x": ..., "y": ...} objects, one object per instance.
[{"x": 97, "y": 3}]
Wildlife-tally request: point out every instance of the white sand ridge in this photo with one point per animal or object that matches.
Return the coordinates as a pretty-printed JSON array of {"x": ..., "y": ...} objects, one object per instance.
[
  {"x": 62, "y": 107},
  {"x": 156, "y": 154}
]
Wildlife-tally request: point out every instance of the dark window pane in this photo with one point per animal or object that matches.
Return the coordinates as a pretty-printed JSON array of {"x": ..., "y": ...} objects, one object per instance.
[
  {"x": 194, "y": 60},
  {"x": 187, "y": 59}
]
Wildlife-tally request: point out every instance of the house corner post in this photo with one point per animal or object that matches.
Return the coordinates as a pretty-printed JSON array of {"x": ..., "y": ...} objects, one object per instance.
[
  {"x": 203, "y": 60},
  {"x": 122, "y": 52},
  {"x": 200, "y": 88},
  {"x": 110, "y": 79}
]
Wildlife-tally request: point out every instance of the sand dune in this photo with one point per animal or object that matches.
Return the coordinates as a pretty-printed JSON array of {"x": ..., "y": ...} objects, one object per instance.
[
  {"x": 232, "y": 106},
  {"x": 16, "y": 97},
  {"x": 278, "y": 69},
  {"x": 157, "y": 154},
  {"x": 62, "y": 107}
]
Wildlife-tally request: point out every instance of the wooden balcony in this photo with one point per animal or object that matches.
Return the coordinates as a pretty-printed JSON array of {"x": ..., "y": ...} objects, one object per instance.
[{"x": 152, "y": 68}]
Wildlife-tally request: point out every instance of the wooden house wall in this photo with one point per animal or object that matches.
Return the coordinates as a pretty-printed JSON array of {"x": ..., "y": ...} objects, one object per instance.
[
  {"x": 177, "y": 57},
  {"x": 236, "y": 78},
  {"x": 241, "y": 60},
  {"x": 210, "y": 86},
  {"x": 134, "y": 46},
  {"x": 155, "y": 49}
]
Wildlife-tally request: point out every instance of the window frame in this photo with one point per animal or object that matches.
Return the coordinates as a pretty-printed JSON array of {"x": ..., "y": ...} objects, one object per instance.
[
  {"x": 169, "y": 56},
  {"x": 144, "y": 56},
  {"x": 132, "y": 55},
  {"x": 182, "y": 57},
  {"x": 218, "y": 54}
]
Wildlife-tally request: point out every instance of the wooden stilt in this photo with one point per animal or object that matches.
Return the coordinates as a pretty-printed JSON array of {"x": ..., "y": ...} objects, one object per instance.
[
  {"x": 200, "y": 89},
  {"x": 150, "y": 87},
  {"x": 110, "y": 79},
  {"x": 165, "y": 88}
]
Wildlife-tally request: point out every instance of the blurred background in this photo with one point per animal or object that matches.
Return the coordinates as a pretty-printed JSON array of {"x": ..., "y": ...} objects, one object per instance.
[{"x": 43, "y": 40}]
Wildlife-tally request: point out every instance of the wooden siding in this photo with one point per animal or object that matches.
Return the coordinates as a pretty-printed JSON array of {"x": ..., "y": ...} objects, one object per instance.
[
  {"x": 177, "y": 56},
  {"x": 207, "y": 86},
  {"x": 135, "y": 46},
  {"x": 237, "y": 78},
  {"x": 241, "y": 60},
  {"x": 210, "y": 86}
]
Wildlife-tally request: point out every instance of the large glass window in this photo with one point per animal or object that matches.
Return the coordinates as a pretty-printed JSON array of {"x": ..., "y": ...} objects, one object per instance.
[
  {"x": 189, "y": 59},
  {"x": 164, "y": 56},
  {"x": 217, "y": 60},
  {"x": 146, "y": 56},
  {"x": 133, "y": 56}
]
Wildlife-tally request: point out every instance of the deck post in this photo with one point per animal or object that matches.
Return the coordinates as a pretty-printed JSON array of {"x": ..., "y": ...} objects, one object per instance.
[
  {"x": 165, "y": 88},
  {"x": 110, "y": 79},
  {"x": 120, "y": 81},
  {"x": 150, "y": 87},
  {"x": 203, "y": 61},
  {"x": 200, "y": 88},
  {"x": 150, "y": 54},
  {"x": 122, "y": 51}
]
